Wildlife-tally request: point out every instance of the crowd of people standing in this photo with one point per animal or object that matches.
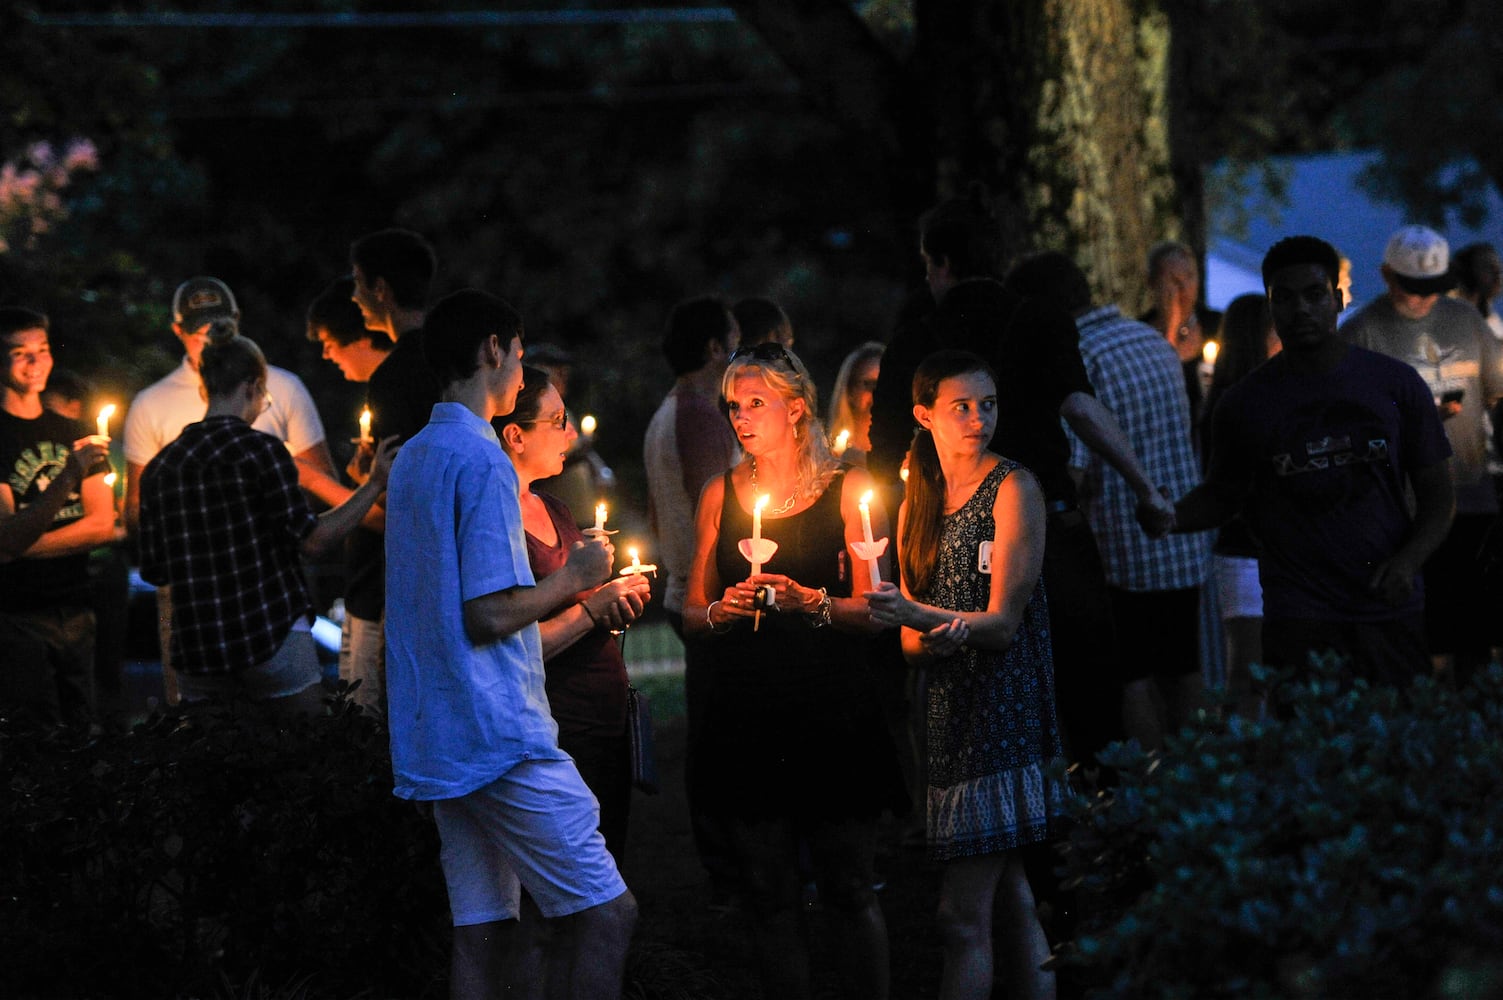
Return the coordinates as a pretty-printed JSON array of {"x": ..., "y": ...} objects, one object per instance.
[{"x": 1010, "y": 509}]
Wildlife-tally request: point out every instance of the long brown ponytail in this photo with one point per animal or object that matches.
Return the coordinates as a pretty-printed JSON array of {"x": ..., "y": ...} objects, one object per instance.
[{"x": 918, "y": 548}]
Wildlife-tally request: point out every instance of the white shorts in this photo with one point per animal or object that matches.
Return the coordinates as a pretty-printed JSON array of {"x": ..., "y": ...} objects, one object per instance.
[
  {"x": 1241, "y": 593},
  {"x": 535, "y": 826}
]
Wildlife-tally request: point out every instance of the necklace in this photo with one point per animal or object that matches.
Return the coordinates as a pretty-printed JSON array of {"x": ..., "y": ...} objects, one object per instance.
[{"x": 787, "y": 504}]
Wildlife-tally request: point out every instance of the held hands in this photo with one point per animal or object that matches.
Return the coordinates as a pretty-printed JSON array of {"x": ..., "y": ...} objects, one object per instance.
[
  {"x": 1155, "y": 513},
  {"x": 619, "y": 602}
]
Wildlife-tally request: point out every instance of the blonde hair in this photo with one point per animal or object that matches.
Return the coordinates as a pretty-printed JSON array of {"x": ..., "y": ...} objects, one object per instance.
[
  {"x": 816, "y": 465},
  {"x": 841, "y": 414}
]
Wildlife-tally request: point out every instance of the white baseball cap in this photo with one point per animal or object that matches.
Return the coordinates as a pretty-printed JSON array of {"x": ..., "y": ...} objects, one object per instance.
[{"x": 1419, "y": 259}]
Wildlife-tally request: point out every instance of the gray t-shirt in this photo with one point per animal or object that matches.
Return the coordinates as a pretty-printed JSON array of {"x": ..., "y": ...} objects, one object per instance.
[{"x": 1452, "y": 349}]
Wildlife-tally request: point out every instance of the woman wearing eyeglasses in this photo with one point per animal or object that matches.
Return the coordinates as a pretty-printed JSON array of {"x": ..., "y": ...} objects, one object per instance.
[
  {"x": 586, "y": 674},
  {"x": 793, "y": 746}
]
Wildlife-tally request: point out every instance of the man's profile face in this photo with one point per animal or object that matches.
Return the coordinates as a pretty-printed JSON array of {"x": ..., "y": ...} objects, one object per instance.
[
  {"x": 364, "y": 296},
  {"x": 510, "y": 375},
  {"x": 193, "y": 341},
  {"x": 28, "y": 361},
  {"x": 1304, "y": 306}
]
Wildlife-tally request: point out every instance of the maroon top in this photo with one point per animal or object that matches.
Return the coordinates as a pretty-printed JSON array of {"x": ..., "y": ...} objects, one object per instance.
[{"x": 586, "y": 682}]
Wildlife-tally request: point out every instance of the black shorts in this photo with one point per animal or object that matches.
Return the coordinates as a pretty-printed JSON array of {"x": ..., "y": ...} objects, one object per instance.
[{"x": 1158, "y": 632}]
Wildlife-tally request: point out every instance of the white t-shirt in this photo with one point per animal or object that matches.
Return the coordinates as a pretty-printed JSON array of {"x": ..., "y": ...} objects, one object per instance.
[{"x": 159, "y": 413}]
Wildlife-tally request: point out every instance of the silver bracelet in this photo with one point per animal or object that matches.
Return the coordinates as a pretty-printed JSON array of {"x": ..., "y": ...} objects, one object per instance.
[
  {"x": 711, "y": 622},
  {"x": 820, "y": 616}
]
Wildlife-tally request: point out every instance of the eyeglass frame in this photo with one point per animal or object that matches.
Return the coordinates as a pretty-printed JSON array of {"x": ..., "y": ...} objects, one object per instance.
[{"x": 560, "y": 422}]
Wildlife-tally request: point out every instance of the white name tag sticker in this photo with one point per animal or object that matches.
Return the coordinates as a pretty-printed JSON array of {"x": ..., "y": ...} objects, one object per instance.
[{"x": 984, "y": 557}]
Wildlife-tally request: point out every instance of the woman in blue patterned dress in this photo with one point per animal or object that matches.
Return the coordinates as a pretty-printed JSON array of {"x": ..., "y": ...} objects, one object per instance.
[{"x": 972, "y": 610}]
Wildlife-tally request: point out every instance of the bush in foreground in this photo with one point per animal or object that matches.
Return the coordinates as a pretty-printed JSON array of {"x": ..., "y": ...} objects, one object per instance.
[
  {"x": 219, "y": 847},
  {"x": 1353, "y": 848}
]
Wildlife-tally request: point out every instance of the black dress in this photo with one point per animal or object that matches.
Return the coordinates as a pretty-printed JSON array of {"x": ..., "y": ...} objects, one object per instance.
[{"x": 793, "y": 727}]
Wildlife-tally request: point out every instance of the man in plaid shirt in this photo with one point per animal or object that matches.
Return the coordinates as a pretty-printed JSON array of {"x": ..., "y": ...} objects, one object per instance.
[
  {"x": 224, "y": 524},
  {"x": 1154, "y": 584}
]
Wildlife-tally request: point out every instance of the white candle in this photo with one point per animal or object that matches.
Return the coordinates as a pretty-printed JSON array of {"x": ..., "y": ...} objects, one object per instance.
[
  {"x": 105, "y": 414},
  {"x": 762, "y": 501},
  {"x": 636, "y": 563},
  {"x": 866, "y": 537},
  {"x": 600, "y": 517},
  {"x": 365, "y": 426}
]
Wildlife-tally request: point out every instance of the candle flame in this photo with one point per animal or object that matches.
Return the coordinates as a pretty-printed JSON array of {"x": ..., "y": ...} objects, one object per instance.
[
  {"x": 587, "y": 425},
  {"x": 107, "y": 411},
  {"x": 635, "y": 560},
  {"x": 866, "y": 498},
  {"x": 763, "y": 501},
  {"x": 903, "y": 473},
  {"x": 1209, "y": 352},
  {"x": 600, "y": 512},
  {"x": 110, "y": 478},
  {"x": 842, "y": 442}
]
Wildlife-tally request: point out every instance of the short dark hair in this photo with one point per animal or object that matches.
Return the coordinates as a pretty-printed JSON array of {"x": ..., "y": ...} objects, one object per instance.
[
  {"x": 458, "y": 324},
  {"x": 229, "y": 362},
  {"x": 1052, "y": 276},
  {"x": 963, "y": 231},
  {"x": 1292, "y": 250},
  {"x": 1466, "y": 265},
  {"x": 693, "y": 324},
  {"x": 403, "y": 258},
  {"x": 14, "y": 319},
  {"x": 333, "y": 310},
  {"x": 759, "y": 320}
]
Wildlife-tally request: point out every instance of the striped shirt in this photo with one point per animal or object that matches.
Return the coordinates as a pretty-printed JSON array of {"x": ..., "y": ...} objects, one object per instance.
[
  {"x": 222, "y": 523},
  {"x": 1138, "y": 378}
]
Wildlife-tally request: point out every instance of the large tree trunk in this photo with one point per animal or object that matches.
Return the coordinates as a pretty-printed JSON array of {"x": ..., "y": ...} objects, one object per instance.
[{"x": 1057, "y": 106}]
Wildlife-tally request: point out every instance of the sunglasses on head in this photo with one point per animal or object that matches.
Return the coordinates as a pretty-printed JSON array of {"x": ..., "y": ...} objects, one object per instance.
[{"x": 769, "y": 350}]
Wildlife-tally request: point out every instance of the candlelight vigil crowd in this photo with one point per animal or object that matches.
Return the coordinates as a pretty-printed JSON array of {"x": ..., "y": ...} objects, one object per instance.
[{"x": 1021, "y": 527}]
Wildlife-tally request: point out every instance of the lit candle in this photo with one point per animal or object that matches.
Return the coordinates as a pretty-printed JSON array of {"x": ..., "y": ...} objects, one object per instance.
[
  {"x": 1208, "y": 353},
  {"x": 587, "y": 425},
  {"x": 842, "y": 442},
  {"x": 762, "y": 501},
  {"x": 600, "y": 517},
  {"x": 866, "y": 537},
  {"x": 636, "y": 562},
  {"x": 105, "y": 414},
  {"x": 109, "y": 479},
  {"x": 365, "y": 426}
]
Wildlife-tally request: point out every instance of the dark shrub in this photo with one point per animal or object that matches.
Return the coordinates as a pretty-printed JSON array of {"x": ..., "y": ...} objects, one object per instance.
[
  {"x": 222, "y": 846},
  {"x": 1354, "y": 849}
]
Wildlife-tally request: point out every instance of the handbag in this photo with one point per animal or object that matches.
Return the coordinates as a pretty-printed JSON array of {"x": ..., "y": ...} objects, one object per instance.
[{"x": 644, "y": 763}]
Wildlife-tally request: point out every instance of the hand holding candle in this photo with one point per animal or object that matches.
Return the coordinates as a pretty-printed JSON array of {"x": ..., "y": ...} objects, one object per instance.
[
  {"x": 868, "y": 549},
  {"x": 105, "y": 413},
  {"x": 756, "y": 549}
]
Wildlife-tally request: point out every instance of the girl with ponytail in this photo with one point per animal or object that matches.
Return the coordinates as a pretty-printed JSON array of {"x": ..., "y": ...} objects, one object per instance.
[{"x": 973, "y": 614}]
